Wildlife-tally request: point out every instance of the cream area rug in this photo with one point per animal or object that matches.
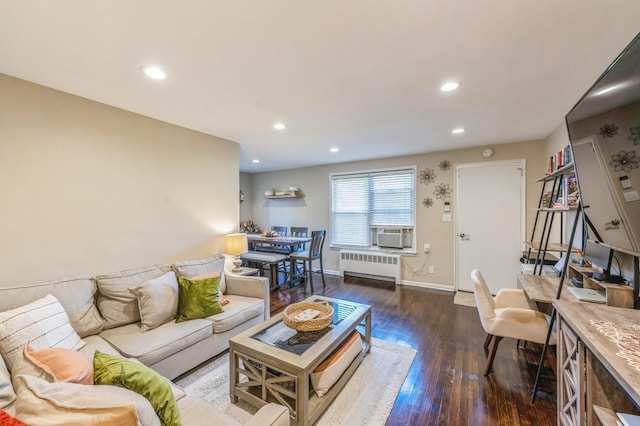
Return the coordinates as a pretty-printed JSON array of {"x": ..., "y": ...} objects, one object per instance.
[
  {"x": 367, "y": 398},
  {"x": 464, "y": 298}
]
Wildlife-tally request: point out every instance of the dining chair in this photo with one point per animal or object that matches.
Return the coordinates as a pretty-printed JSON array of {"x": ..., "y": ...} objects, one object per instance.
[
  {"x": 299, "y": 231},
  {"x": 515, "y": 322},
  {"x": 307, "y": 257}
]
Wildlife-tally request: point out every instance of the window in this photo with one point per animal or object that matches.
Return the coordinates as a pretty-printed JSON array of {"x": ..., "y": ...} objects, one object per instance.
[{"x": 361, "y": 200}]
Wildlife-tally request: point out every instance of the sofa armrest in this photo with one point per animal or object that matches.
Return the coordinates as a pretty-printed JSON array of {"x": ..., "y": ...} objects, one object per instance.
[
  {"x": 270, "y": 415},
  {"x": 250, "y": 287}
]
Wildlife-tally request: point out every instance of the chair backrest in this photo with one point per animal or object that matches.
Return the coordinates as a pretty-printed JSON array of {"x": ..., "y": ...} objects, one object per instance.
[
  {"x": 297, "y": 231},
  {"x": 484, "y": 299},
  {"x": 317, "y": 240},
  {"x": 281, "y": 230}
]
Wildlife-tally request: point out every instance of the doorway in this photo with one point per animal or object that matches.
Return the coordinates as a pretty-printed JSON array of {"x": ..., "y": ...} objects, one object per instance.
[{"x": 490, "y": 217}]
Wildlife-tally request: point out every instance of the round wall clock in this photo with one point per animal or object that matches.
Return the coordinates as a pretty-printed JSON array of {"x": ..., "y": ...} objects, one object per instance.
[{"x": 486, "y": 153}]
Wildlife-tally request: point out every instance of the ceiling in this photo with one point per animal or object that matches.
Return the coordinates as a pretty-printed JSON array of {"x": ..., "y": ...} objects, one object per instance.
[{"x": 361, "y": 76}]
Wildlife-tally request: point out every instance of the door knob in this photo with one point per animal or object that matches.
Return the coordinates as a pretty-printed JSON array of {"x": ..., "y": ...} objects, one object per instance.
[{"x": 463, "y": 235}]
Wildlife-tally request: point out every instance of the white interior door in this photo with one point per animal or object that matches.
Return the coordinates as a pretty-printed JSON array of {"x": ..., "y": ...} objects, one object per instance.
[{"x": 489, "y": 222}]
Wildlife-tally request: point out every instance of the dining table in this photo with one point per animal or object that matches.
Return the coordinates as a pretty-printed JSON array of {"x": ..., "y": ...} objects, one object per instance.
[{"x": 291, "y": 242}]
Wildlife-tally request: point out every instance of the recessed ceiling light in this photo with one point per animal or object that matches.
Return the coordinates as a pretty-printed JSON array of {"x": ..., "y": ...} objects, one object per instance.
[
  {"x": 334, "y": 150},
  {"x": 450, "y": 85},
  {"x": 279, "y": 126},
  {"x": 255, "y": 161},
  {"x": 155, "y": 73},
  {"x": 458, "y": 130}
]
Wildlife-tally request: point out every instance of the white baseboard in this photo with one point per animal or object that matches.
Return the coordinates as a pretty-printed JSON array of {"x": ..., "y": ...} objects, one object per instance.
[{"x": 433, "y": 286}]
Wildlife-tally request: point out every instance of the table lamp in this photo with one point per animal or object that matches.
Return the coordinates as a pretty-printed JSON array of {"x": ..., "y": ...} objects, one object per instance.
[{"x": 237, "y": 245}]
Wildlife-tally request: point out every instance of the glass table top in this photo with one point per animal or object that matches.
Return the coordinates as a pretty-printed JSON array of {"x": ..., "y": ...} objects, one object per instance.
[{"x": 297, "y": 342}]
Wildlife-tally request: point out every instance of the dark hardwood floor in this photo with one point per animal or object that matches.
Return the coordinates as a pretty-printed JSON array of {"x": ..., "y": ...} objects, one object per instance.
[{"x": 445, "y": 385}]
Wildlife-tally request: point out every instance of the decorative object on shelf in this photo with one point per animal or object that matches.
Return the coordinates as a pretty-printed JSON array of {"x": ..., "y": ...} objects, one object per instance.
[
  {"x": 319, "y": 322},
  {"x": 427, "y": 176},
  {"x": 268, "y": 193},
  {"x": 427, "y": 202},
  {"x": 445, "y": 165},
  {"x": 608, "y": 130},
  {"x": 237, "y": 244},
  {"x": 624, "y": 161},
  {"x": 635, "y": 134},
  {"x": 442, "y": 191},
  {"x": 249, "y": 227}
]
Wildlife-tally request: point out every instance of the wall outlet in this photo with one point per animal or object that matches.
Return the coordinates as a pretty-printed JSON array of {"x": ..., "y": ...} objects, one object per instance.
[
  {"x": 426, "y": 248},
  {"x": 432, "y": 269}
]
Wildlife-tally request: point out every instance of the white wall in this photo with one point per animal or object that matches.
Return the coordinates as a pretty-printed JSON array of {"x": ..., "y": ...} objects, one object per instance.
[
  {"x": 88, "y": 188},
  {"x": 313, "y": 210}
]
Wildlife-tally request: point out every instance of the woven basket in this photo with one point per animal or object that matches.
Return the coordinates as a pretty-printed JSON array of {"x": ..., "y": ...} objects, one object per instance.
[{"x": 318, "y": 323}]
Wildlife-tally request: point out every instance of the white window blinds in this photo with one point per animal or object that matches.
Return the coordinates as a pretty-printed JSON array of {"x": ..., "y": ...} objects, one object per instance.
[{"x": 364, "y": 199}]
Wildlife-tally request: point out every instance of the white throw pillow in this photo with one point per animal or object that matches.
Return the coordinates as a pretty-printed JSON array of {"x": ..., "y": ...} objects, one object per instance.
[
  {"x": 329, "y": 371},
  {"x": 73, "y": 404},
  {"x": 157, "y": 300},
  {"x": 43, "y": 323}
]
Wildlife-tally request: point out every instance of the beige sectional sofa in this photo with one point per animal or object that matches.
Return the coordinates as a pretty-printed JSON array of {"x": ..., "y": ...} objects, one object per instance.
[{"x": 106, "y": 314}]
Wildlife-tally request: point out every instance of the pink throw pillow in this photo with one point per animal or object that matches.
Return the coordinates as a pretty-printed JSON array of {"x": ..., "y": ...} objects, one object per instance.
[{"x": 64, "y": 365}]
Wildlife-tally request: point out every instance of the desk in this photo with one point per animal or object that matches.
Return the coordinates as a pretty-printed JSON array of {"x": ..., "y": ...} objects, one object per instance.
[
  {"x": 594, "y": 381},
  {"x": 292, "y": 242},
  {"x": 543, "y": 289}
]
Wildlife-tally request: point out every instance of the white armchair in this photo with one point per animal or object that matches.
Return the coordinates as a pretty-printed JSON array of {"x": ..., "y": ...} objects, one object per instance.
[{"x": 508, "y": 315}]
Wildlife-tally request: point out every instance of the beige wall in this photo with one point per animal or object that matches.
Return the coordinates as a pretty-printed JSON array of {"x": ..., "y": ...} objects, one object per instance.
[
  {"x": 88, "y": 188},
  {"x": 313, "y": 210}
]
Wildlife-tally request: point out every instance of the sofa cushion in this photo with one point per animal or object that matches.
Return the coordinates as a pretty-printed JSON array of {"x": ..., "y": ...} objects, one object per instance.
[
  {"x": 76, "y": 294},
  {"x": 97, "y": 343},
  {"x": 119, "y": 306},
  {"x": 195, "y": 267},
  {"x": 198, "y": 412},
  {"x": 64, "y": 365},
  {"x": 114, "y": 370},
  {"x": 43, "y": 323},
  {"x": 157, "y": 300},
  {"x": 198, "y": 298},
  {"x": 73, "y": 404},
  {"x": 240, "y": 310},
  {"x": 159, "y": 343}
]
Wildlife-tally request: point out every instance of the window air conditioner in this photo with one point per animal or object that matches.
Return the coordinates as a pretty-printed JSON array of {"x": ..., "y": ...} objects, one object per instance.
[{"x": 390, "y": 237}]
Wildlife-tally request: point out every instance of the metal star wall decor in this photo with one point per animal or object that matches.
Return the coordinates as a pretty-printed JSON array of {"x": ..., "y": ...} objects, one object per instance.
[
  {"x": 442, "y": 191},
  {"x": 427, "y": 202},
  {"x": 608, "y": 130},
  {"x": 624, "y": 161},
  {"x": 445, "y": 165},
  {"x": 427, "y": 176},
  {"x": 635, "y": 134}
]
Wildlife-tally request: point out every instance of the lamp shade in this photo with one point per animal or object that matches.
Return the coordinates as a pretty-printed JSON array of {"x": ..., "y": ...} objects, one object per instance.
[{"x": 237, "y": 244}]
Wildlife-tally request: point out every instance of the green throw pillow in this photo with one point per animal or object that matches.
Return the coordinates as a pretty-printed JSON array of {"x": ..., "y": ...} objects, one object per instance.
[
  {"x": 116, "y": 371},
  {"x": 198, "y": 298}
]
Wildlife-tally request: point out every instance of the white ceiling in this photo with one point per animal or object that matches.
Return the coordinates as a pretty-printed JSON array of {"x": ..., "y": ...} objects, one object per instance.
[{"x": 362, "y": 76}]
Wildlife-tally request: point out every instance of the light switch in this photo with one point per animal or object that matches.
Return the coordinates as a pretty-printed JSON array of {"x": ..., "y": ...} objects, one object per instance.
[
  {"x": 446, "y": 218},
  {"x": 625, "y": 182},
  {"x": 631, "y": 196},
  {"x": 447, "y": 206}
]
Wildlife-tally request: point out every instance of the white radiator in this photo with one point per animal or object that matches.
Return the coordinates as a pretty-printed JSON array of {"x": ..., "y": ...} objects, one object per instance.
[{"x": 381, "y": 265}]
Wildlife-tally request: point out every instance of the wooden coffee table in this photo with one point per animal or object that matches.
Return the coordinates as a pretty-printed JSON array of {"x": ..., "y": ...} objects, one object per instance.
[{"x": 272, "y": 363}]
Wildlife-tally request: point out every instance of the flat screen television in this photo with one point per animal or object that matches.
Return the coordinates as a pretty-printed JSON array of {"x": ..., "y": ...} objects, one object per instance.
[{"x": 604, "y": 130}]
